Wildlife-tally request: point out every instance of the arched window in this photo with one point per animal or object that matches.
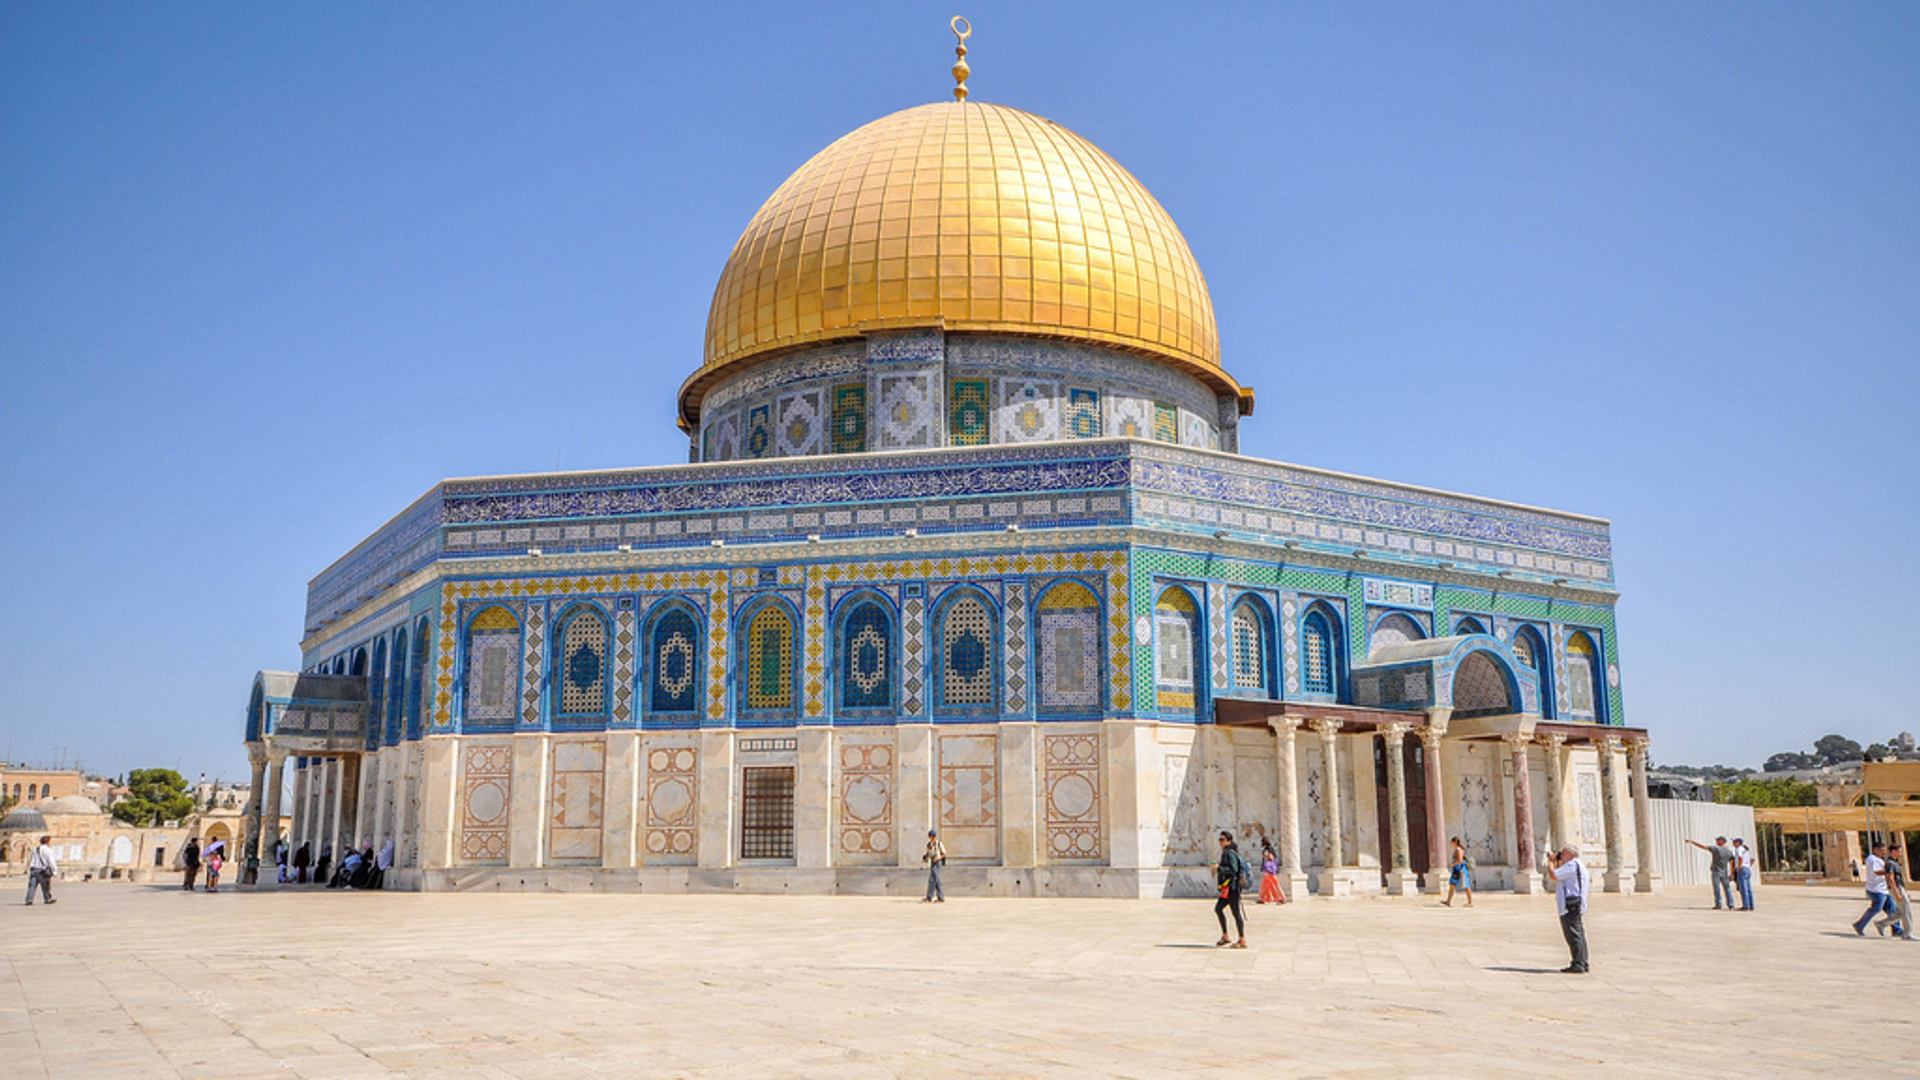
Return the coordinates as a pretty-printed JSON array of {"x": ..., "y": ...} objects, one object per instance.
[
  {"x": 866, "y": 657},
  {"x": 33, "y": 792},
  {"x": 1530, "y": 652},
  {"x": 493, "y": 669},
  {"x": 966, "y": 655},
  {"x": 769, "y": 659},
  {"x": 1469, "y": 625},
  {"x": 1583, "y": 677},
  {"x": 1250, "y": 647},
  {"x": 1319, "y": 651},
  {"x": 1175, "y": 631},
  {"x": 416, "y": 678},
  {"x": 377, "y": 695},
  {"x": 673, "y": 650},
  {"x": 397, "y": 688},
  {"x": 1395, "y": 629},
  {"x": 359, "y": 662},
  {"x": 582, "y": 667},
  {"x": 1067, "y": 636}
]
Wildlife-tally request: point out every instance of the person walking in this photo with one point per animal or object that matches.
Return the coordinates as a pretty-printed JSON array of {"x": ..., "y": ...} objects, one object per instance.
[
  {"x": 935, "y": 857},
  {"x": 1899, "y": 909},
  {"x": 1570, "y": 897},
  {"x": 190, "y": 862},
  {"x": 1231, "y": 876},
  {"x": 1879, "y": 895},
  {"x": 1459, "y": 873},
  {"x": 1270, "y": 892},
  {"x": 1745, "y": 865},
  {"x": 40, "y": 870},
  {"x": 1722, "y": 870},
  {"x": 216, "y": 858},
  {"x": 302, "y": 861}
]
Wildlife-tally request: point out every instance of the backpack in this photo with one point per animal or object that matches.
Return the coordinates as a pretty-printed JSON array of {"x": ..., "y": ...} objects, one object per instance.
[{"x": 1243, "y": 874}]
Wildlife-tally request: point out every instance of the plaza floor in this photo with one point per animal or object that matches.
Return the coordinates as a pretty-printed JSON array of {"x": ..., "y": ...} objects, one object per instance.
[{"x": 123, "y": 980}]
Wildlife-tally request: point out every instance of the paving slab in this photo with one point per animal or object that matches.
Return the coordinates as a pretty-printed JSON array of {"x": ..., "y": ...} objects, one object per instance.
[{"x": 121, "y": 980}]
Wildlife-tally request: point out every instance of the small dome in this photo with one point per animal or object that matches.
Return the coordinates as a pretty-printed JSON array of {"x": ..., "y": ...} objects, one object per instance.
[
  {"x": 970, "y": 216},
  {"x": 70, "y": 804},
  {"x": 23, "y": 819}
]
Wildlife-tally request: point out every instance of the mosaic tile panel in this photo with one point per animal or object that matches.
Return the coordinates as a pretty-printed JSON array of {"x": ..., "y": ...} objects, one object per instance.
[
  {"x": 907, "y": 411},
  {"x": 719, "y": 644},
  {"x": 849, "y": 419},
  {"x": 967, "y": 412},
  {"x": 725, "y": 435},
  {"x": 1015, "y": 621},
  {"x": 1072, "y": 780},
  {"x": 583, "y": 663},
  {"x": 1218, "y": 654},
  {"x": 1290, "y": 644},
  {"x": 1174, "y": 630},
  {"x": 969, "y": 796},
  {"x": 624, "y": 653},
  {"x": 866, "y": 798},
  {"x": 866, "y": 658},
  {"x": 1067, "y": 624},
  {"x": 1083, "y": 413},
  {"x": 966, "y": 644},
  {"x": 1129, "y": 417},
  {"x": 576, "y": 801},
  {"x": 493, "y": 661},
  {"x": 760, "y": 431},
  {"x": 913, "y": 679},
  {"x": 532, "y": 688},
  {"x": 1166, "y": 423},
  {"x": 1029, "y": 411},
  {"x": 486, "y": 794},
  {"x": 769, "y": 648},
  {"x": 801, "y": 425},
  {"x": 1120, "y": 640},
  {"x": 1249, "y": 649},
  {"x": 816, "y": 647},
  {"x": 673, "y": 802}
]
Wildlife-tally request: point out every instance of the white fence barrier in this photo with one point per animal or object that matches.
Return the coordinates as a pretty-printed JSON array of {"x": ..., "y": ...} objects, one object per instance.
[{"x": 1675, "y": 821}]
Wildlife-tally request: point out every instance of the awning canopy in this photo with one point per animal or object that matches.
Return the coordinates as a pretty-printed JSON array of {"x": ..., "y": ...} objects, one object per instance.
[{"x": 1826, "y": 819}]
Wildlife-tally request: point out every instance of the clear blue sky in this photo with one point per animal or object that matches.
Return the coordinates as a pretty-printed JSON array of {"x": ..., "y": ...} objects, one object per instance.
[{"x": 268, "y": 273}]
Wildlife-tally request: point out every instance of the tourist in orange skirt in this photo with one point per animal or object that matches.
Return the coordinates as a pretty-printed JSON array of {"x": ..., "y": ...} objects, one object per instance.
[{"x": 1270, "y": 875}]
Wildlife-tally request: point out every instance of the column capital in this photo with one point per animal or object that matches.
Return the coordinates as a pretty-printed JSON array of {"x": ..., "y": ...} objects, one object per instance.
[
  {"x": 1327, "y": 726},
  {"x": 1552, "y": 740},
  {"x": 1607, "y": 742},
  {"x": 1430, "y": 736},
  {"x": 1517, "y": 741},
  {"x": 256, "y": 753},
  {"x": 1284, "y": 725},
  {"x": 1395, "y": 733},
  {"x": 1638, "y": 743}
]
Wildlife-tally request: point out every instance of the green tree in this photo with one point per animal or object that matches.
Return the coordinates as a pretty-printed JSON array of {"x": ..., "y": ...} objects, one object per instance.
[
  {"x": 154, "y": 796},
  {"x": 1835, "y": 749},
  {"x": 1773, "y": 791}
]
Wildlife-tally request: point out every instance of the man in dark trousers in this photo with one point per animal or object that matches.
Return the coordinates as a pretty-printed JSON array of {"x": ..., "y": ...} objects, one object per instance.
[
  {"x": 190, "y": 861},
  {"x": 1570, "y": 896}
]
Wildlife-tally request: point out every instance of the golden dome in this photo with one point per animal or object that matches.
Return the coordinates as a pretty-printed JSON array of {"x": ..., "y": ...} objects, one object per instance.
[{"x": 965, "y": 215}]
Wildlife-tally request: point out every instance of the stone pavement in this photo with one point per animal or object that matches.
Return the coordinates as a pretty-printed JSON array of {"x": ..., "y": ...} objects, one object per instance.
[{"x": 136, "y": 981}]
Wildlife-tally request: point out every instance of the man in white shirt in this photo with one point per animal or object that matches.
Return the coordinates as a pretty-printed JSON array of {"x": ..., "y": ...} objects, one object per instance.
[
  {"x": 40, "y": 870},
  {"x": 1745, "y": 865},
  {"x": 1879, "y": 897},
  {"x": 1570, "y": 896}
]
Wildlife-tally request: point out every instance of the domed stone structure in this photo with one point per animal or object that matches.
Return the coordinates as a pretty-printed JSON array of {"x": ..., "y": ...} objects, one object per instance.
[
  {"x": 965, "y": 543},
  {"x": 23, "y": 819},
  {"x": 72, "y": 805},
  {"x": 958, "y": 274}
]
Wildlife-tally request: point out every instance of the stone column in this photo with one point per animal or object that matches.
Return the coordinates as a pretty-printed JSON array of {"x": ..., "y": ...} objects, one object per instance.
[
  {"x": 813, "y": 788},
  {"x": 1558, "y": 834},
  {"x": 716, "y": 842},
  {"x": 1137, "y": 841},
  {"x": 250, "y": 821},
  {"x": 439, "y": 802},
  {"x": 619, "y": 830},
  {"x": 1021, "y": 843},
  {"x": 1401, "y": 880},
  {"x": 1293, "y": 876},
  {"x": 1609, "y": 746},
  {"x": 1331, "y": 881},
  {"x": 527, "y": 809},
  {"x": 335, "y": 793},
  {"x": 297, "y": 833},
  {"x": 1646, "y": 879},
  {"x": 270, "y": 808},
  {"x": 1437, "y": 854},
  {"x": 917, "y": 812},
  {"x": 1526, "y": 879}
]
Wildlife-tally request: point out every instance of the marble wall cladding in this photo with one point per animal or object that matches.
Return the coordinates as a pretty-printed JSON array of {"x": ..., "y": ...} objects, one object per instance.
[
  {"x": 1255, "y": 796},
  {"x": 576, "y": 800},
  {"x": 1072, "y": 797},
  {"x": 1587, "y": 784},
  {"x": 673, "y": 800},
  {"x": 486, "y": 795},
  {"x": 969, "y": 797},
  {"x": 866, "y": 811}
]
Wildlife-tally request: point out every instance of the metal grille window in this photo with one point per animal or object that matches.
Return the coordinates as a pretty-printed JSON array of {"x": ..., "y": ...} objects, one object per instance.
[{"x": 766, "y": 813}]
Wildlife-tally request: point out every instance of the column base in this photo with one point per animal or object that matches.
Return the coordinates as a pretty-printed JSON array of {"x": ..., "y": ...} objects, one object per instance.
[
  {"x": 1615, "y": 881},
  {"x": 1331, "y": 883},
  {"x": 1403, "y": 883},
  {"x": 1647, "y": 881},
  {"x": 1526, "y": 882},
  {"x": 1296, "y": 885},
  {"x": 1434, "y": 882}
]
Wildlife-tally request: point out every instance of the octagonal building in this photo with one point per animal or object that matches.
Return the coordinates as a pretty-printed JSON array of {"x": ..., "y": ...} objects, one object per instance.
[{"x": 964, "y": 543}]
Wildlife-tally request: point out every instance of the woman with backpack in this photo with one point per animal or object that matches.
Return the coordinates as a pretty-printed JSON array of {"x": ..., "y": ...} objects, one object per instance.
[
  {"x": 1459, "y": 873},
  {"x": 1232, "y": 877}
]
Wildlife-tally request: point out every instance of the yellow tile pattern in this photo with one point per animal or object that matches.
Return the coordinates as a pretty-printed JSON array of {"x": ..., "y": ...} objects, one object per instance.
[{"x": 978, "y": 216}]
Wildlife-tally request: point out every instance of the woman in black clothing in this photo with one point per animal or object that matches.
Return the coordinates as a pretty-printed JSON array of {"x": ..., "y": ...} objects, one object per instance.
[{"x": 1228, "y": 874}]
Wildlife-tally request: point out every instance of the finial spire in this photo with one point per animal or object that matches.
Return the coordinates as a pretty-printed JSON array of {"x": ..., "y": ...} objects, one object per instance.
[{"x": 962, "y": 30}]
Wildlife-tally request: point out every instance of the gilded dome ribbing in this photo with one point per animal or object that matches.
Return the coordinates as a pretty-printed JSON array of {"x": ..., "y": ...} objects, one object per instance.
[{"x": 971, "y": 216}]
